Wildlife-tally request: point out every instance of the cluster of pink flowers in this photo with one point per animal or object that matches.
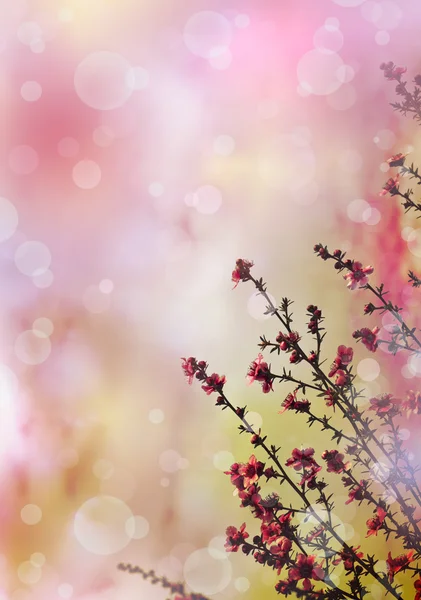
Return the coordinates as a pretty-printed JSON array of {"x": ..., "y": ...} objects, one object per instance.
[
  {"x": 343, "y": 358},
  {"x": 376, "y": 523},
  {"x": 303, "y": 460},
  {"x": 241, "y": 271},
  {"x": 275, "y": 544},
  {"x": 392, "y": 72}
]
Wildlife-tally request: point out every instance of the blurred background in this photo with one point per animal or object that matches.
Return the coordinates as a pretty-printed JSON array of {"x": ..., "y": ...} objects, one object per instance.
[{"x": 146, "y": 146}]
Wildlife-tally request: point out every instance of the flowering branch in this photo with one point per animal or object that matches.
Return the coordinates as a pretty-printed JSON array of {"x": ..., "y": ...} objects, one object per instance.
[{"x": 403, "y": 337}]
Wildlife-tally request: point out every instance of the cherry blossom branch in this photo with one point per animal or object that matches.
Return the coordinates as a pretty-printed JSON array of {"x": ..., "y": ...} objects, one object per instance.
[
  {"x": 352, "y": 416},
  {"x": 216, "y": 383}
]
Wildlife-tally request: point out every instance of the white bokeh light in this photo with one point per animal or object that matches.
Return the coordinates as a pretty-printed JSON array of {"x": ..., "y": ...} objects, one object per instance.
[
  {"x": 106, "y": 286},
  {"x": 254, "y": 419},
  {"x": 242, "y": 584},
  {"x": 207, "y": 33},
  {"x": 156, "y": 189},
  {"x": 358, "y": 211},
  {"x": 29, "y": 573},
  {"x": 38, "y": 559},
  {"x": 31, "y": 348},
  {"x": 368, "y": 369},
  {"x": 328, "y": 40},
  {"x": 387, "y": 16},
  {"x": 345, "y": 73},
  {"x": 42, "y": 327},
  {"x": 31, "y": 514},
  {"x": 102, "y": 80},
  {"x": 414, "y": 242},
  {"x": 169, "y": 461},
  {"x": 43, "y": 280},
  {"x": 32, "y": 258},
  {"x": 86, "y": 174},
  {"x": 385, "y": 139},
  {"x": 317, "y": 72},
  {"x": 137, "y": 527},
  {"x": 29, "y": 32},
  {"x": 208, "y": 199},
  {"x": 31, "y": 91},
  {"x": 222, "y": 460},
  {"x": 100, "y": 525},
  {"x": 382, "y": 38},
  {"x": 257, "y": 304},
  {"x": 156, "y": 416},
  {"x": 207, "y": 573}
]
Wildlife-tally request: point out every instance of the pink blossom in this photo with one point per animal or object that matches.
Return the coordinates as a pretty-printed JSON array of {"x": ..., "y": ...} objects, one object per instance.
[{"x": 358, "y": 275}]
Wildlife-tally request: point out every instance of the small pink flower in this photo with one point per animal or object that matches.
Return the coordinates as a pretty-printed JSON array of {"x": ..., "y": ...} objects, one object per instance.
[
  {"x": 412, "y": 404},
  {"x": 282, "y": 547},
  {"x": 306, "y": 568},
  {"x": 235, "y": 537},
  {"x": 270, "y": 532},
  {"x": 236, "y": 479},
  {"x": 391, "y": 186},
  {"x": 358, "y": 275},
  {"x": 345, "y": 354},
  {"x": 376, "y": 523},
  {"x": 251, "y": 471},
  {"x": 397, "y": 160},
  {"x": 301, "y": 459},
  {"x": 335, "y": 461},
  {"x": 391, "y": 72},
  {"x": 342, "y": 378},
  {"x": 394, "y": 565},
  {"x": 259, "y": 371},
  {"x": 384, "y": 404},
  {"x": 189, "y": 367},
  {"x": 213, "y": 383},
  {"x": 290, "y": 402},
  {"x": 368, "y": 337}
]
